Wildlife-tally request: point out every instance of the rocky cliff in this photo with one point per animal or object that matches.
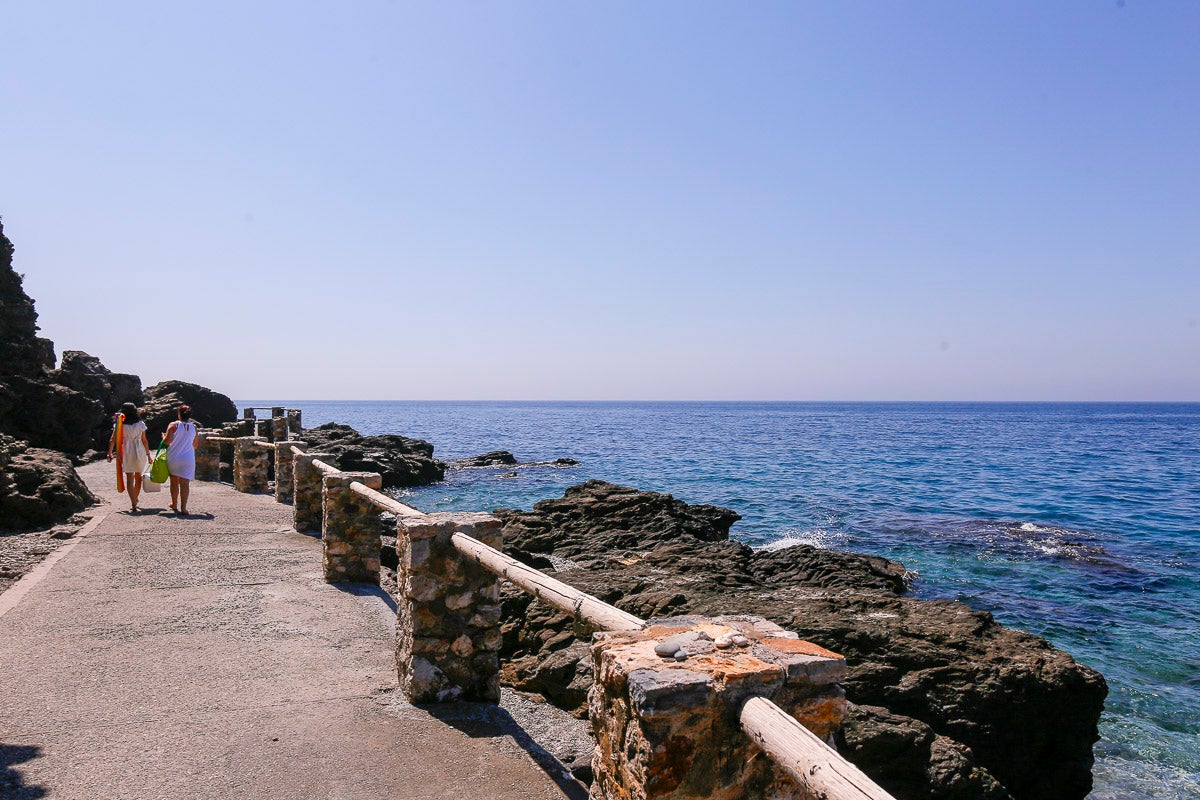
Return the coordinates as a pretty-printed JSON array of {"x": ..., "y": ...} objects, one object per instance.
[
  {"x": 948, "y": 703},
  {"x": 48, "y": 412}
]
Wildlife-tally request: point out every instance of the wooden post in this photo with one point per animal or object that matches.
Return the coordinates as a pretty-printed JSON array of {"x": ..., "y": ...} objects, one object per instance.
[
  {"x": 351, "y": 529},
  {"x": 285, "y": 483},
  {"x": 249, "y": 465},
  {"x": 208, "y": 458},
  {"x": 307, "y": 511},
  {"x": 664, "y": 706},
  {"x": 448, "y": 613}
]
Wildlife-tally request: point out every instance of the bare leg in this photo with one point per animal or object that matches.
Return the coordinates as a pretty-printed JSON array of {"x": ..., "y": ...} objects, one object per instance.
[
  {"x": 185, "y": 487},
  {"x": 131, "y": 491},
  {"x": 135, "y": 487},
  {"x": 175, "y": 493}
]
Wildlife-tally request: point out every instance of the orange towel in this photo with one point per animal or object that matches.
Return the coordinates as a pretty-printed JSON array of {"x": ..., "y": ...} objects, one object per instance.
[{"x": 120, "y": 442}]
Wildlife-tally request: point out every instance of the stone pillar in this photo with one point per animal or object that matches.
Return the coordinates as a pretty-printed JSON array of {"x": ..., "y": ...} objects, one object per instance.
[
  {"x": 448, "y": 623},
  {"x": 664, "y": 706},
  {"x": 307, "y": 510},
  {"x": 250, "y": 465},
  {"x": 208, "y": 458},
  {"x": 263, "y": 429},
  {"x": 285, "y": 483},
  {"x": 242, "y": 427},
  {"x": 247, "y": 413},
  {"x": 279, "y": 429},
  {"x": 293, "y": 418},
  {"x": 351, "y": 529}
]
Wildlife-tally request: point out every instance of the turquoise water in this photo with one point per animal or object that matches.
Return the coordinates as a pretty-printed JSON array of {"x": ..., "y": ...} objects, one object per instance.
[{"x": 1078, "y": 522}]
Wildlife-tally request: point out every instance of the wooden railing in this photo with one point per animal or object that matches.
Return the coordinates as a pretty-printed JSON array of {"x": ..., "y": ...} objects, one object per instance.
[{"x": 810, "y": 762}]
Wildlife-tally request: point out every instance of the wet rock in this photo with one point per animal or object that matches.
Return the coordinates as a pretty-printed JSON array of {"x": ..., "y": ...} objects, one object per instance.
[
  {"x": 400, "y": 460},
  {"x": 496, "y": 458},
  {"x": 1025, "y": 713},
  {"x": 38, "y": 487}
]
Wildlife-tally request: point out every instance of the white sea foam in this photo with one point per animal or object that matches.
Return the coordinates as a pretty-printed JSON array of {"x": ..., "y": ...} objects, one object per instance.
[{"x": 790, "y": 537}]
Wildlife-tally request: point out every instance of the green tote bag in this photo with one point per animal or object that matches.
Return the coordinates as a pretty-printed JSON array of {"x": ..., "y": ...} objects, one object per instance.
[{"x": 158, "y": 467}]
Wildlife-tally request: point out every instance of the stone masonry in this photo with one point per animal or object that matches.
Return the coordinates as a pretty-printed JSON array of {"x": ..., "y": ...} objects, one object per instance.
[
  {"x": 251, "y": 464},
  {"x": 279, "y": 428},
  {"x": 666, "y": 723},
  {"x": 307, "y": 511},
  {"x": 208, "y": 458},
  {"x": 285, "y": 486},
  {"x": 351, "y": 530},
  {"x": 448, "y": 623}
]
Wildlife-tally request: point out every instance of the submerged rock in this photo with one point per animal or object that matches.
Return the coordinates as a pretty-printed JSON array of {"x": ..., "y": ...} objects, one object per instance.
[
  {"x": 995, "y": 707},
  {"x": 496, "y": 458},
  {"x": 400, "y": 460}
]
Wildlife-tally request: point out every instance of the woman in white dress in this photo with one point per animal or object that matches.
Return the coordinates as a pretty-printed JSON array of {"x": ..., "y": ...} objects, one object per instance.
[
  {"x": 134, "y": 454},
  {"x": 182, "y": 438}
]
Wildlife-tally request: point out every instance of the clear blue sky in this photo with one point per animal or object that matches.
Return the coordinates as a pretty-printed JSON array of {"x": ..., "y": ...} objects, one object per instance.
[{"x": 561, "y": 200}]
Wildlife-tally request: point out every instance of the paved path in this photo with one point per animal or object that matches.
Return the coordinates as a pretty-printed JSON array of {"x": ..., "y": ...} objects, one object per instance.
[{"x": 162, "y": 657}]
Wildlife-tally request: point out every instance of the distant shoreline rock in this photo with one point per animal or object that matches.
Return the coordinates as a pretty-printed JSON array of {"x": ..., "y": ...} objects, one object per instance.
[{"x": 503, "y": 458}]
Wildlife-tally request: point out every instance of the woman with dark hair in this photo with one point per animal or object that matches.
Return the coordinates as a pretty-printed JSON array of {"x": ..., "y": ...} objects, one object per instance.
[
  {"x": 128, "y": 443},
  {"x": 182, "y": 438}
]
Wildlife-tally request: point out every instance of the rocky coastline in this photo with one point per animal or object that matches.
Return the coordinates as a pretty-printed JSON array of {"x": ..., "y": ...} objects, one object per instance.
[{"x": 945, "y": 702}]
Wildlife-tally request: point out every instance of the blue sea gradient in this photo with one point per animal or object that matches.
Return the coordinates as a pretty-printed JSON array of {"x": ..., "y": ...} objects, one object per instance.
[{"x": 1077, "y": 522}]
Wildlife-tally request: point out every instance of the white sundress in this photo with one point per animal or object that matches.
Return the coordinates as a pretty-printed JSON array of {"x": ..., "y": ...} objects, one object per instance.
[
  {"x": 181, "y": 454},
  {"x": 134, "y": 457}
]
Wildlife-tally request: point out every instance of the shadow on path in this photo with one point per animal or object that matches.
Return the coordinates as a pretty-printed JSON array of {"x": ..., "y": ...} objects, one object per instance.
[
  {"x": 488, "y": 721},
  {"x": 12, "y": 784},
  {"x": 366, "y": 590}
]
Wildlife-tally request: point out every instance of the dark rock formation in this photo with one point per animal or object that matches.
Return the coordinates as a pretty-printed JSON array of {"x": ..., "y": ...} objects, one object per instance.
[
  {"x": 31, "y": 407},
  {"x": 85, "y": 374},
  {"x": 910, "y": 760},
  {"x": 48, "y": 415},
  {"x": 496, "y": 458},
  {"x": 503, "y": 458},
  {"x": 400, "y": 460},
  {"x": 978, "y": 702},
  {"x": 160, "y": 408},
  {"x": 37, "y": 487},
  {"x": 22, "y": 352}
]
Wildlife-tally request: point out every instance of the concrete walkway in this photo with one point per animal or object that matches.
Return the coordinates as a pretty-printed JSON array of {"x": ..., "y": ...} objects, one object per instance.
[{"x": 163, "y": 657}]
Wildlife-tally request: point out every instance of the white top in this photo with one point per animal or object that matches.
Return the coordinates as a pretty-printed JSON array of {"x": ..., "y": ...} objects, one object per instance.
[
  {"x": 181, "y": 452},
  {"x": 134, "y": 457}
]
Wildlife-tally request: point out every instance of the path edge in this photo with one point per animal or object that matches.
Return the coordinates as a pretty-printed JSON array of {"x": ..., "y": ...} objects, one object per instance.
[{"x": 15, "y": 593}]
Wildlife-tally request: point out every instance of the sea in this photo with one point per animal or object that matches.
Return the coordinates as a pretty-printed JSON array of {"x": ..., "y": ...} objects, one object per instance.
[{"x": 1079, "y": 522}]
